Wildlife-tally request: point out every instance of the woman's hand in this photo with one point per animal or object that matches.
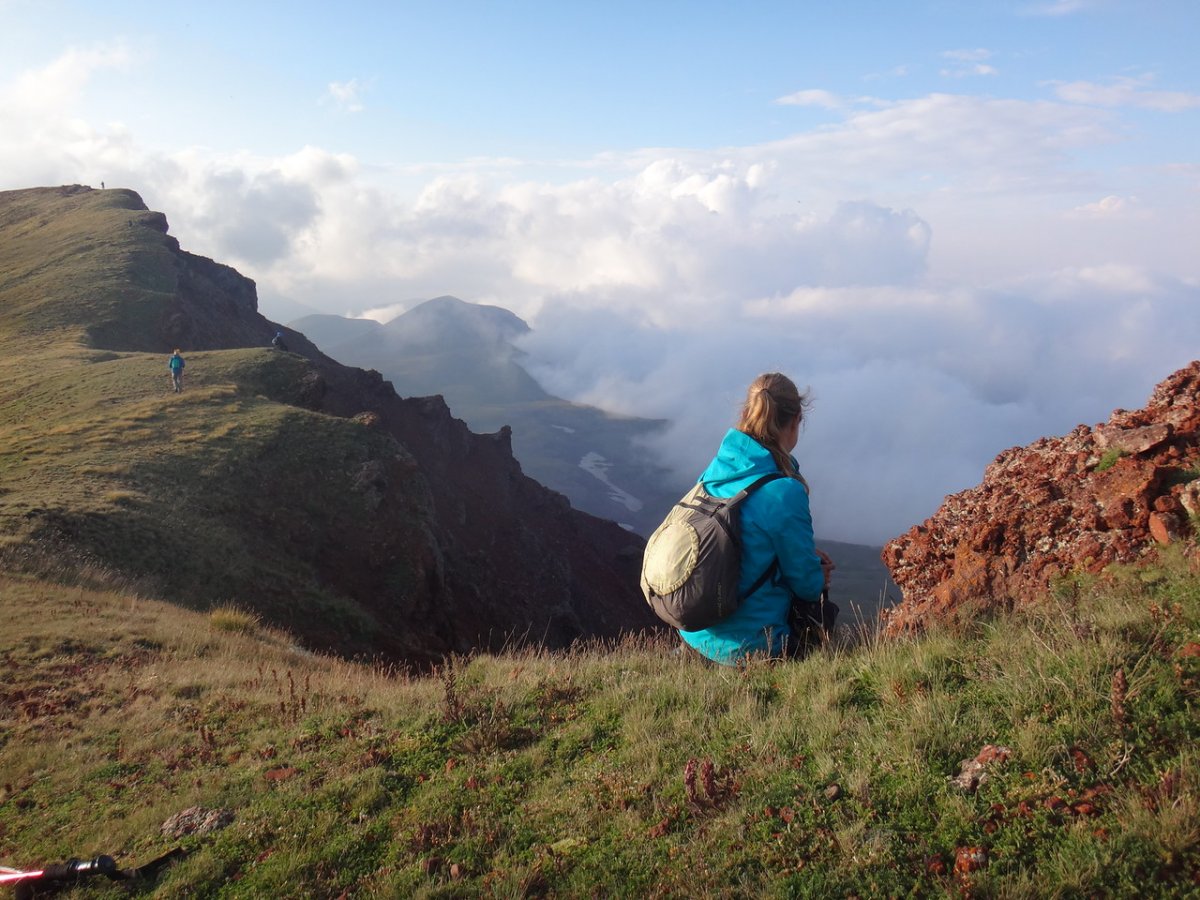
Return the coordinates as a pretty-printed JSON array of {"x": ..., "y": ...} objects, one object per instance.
[{"x": 827, "y": 566}]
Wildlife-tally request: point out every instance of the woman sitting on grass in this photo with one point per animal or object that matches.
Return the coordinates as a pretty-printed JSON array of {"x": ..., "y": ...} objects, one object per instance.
[{"x": 775, "y": 525}]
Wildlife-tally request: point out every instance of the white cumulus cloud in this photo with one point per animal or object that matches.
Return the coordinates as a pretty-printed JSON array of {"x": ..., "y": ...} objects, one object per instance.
[
  {"x": 44, "y": 134},
  {"x": 59, "y": 84},
  {"x": 660, "y": 281}
]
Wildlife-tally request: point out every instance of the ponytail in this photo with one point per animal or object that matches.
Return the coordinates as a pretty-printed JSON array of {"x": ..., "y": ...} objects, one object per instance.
[{"x": 772, "y": 404}]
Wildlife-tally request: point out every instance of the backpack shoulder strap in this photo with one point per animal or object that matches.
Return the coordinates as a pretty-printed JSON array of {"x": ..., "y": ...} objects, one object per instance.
[
  {"x": 754, "y": 486},
  {"x": 738, "y": 498},
  {"x": 762, "y": 579}
]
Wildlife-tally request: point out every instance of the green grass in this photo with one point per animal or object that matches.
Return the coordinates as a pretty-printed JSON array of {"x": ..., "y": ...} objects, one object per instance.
[
  {"x": 101, "y": 461},
  {"x": 609, "y": 770},
  {"x": 228, "y": 493},
  {"x": 1109, "y": 458},
  {"x": 625, "y": 769}
]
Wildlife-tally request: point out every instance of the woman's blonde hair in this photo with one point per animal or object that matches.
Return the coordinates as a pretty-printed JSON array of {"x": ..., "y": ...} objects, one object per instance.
[{"x": 772, "y": 404}]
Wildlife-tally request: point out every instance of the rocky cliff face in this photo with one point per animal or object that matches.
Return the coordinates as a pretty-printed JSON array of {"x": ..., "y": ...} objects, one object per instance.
[
  {"x": 513, "y": 558},
  {"x": 506, "y": 558},
  {"x": 1075, "y": 503}
]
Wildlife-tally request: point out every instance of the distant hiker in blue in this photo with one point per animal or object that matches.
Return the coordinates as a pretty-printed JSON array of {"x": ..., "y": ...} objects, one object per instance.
[
  {"x": 277, "y": 342},
  {"x": 175, "y": 363},
  {"x": 776, "y": 527}
]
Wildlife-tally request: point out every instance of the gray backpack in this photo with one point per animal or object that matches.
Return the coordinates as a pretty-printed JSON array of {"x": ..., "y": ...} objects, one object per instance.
[{"x": 692, "y": 561}]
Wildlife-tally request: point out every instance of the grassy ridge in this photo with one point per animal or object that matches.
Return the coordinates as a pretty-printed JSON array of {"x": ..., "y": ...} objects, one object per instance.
[
  {"x": 99, "y": 460},
  {"x": 78, "y": 262},
  {"x": 629, "y": 770}
]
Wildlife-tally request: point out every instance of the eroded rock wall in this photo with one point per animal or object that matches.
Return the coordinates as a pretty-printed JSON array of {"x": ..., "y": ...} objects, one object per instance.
[{"x": 1074, "y": 503}]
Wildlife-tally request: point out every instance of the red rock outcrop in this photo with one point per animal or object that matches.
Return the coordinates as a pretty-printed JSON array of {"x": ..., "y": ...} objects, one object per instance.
[{"x": 1075, "y": 503}]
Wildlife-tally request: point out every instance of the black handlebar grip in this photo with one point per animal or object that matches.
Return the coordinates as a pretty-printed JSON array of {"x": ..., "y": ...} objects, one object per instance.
[{"x": 80, "y": 868}]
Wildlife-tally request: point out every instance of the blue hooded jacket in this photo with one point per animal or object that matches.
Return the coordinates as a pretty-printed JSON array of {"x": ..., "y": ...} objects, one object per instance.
[{"x": 776, "y": 524}]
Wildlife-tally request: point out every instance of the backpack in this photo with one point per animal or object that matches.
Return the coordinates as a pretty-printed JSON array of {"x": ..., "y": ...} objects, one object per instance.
[{"x": 692, "y": 561}]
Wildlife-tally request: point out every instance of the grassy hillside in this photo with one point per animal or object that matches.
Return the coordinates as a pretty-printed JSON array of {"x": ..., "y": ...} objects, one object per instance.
[
  {"x": 98, "y": 459},
  {"x": 283, "y": 482},
  {"x": 102, "y": 269},
  {"x": 227, "y": 492},
  {"x": 625, "y": 770}
]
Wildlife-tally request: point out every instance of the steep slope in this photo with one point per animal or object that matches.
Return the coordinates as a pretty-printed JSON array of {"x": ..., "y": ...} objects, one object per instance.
[
  {"x": 465, "y": 352},
  {"x": 1076, "y": 503},
  {"x": 283, "y": 482}
]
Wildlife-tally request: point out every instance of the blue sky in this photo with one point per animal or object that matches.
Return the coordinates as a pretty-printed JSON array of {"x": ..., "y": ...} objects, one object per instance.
[
  {"x": 441, "y": 81},
  {"x": 964, "y": 224}
]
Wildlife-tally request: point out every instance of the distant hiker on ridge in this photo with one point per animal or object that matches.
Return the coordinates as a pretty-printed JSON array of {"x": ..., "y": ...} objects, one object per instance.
[
  {"x": 277, "y": 342},
  {"x": 780, "y": 602},
  {"x": 175, "y": 363}
]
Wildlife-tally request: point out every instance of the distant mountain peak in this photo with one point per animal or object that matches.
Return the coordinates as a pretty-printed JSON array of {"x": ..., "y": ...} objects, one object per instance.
[{"x": 450, "y": 318}]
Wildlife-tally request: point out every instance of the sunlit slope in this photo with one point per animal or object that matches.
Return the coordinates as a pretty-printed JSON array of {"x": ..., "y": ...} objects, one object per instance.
[
  {"x": 228, "y": 492},
  {"x": 204, "y": 492},
  {"x": 79, "y": 264}
]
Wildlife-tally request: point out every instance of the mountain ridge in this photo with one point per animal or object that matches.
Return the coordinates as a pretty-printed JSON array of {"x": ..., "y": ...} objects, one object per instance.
[{"x": 286, "y": 482}]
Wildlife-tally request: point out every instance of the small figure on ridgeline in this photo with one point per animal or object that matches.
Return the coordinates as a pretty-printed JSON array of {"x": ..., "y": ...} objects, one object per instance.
[
  {"x": 780, "y": 605},
  {"x": 175, "y": 363},
  {"x": 277, "y": 342}
]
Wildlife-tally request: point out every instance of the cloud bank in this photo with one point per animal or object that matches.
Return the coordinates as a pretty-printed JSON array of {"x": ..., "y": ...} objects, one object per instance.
[{"x": 942, "y": 271}]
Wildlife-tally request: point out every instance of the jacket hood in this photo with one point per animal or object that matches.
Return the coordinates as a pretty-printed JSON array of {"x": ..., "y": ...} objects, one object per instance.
[{"x": 740, "y": 460}]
